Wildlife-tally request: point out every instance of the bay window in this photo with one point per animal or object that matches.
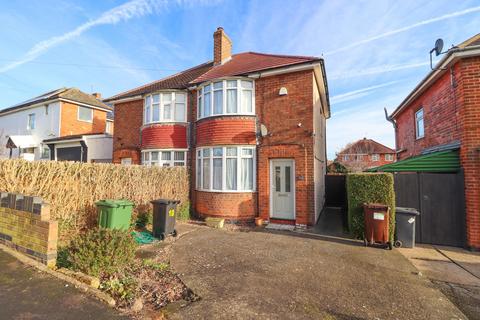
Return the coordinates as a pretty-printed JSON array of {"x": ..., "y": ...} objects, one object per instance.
[
  {"x": 164, "y": 158},
  {"x": 165, "y": 107},
  {"x": 226, "y": 97},
  {"x": 230, "y": 168}
]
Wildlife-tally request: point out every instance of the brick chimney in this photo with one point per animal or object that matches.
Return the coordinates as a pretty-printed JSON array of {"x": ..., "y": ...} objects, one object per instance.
[
  {"x": 222, "y": 47},
  {"x": 97, "y": 95}
]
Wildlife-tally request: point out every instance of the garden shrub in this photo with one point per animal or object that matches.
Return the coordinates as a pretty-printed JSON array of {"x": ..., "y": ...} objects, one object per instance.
[
  {"x": 369, "y": 188},
  {"x": 102, "y": 252},
  {"x": 123, "y": 289},
  {"x": 183, "y": 211},
  {"x": 144, "y": 218}
]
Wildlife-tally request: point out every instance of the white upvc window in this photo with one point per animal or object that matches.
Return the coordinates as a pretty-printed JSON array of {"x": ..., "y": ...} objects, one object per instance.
[
  {"x": 375, "y": 157},
  {"x": 108, "y": 127},
  {"x": 85, "y": 114},
  {"x": 165, "y": 158},
  {"x": 419, "y": 124},
  {"x": 345, "y": 158},
  {"x": 389, "y": 157},
  {"x": 226, "y": 97},
  {"x": 165, "y": 107},
  {"x": 226, "y": 169},
  {"x": 31, "y": 121}
]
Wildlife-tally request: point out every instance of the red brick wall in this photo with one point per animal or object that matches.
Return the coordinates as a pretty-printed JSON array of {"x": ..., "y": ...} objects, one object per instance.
[
  {"x": 126, "y": 136},
  {"x": 225, "y": 130},
  {"x": 469, "y": 85},
  {"x": 281, "y": 115},
  {"x": 164, "y": 136},
  {"x": 440, "y": 119},
  {"x": 70, "y": 125},
  {"x": 232, "y": 206}
]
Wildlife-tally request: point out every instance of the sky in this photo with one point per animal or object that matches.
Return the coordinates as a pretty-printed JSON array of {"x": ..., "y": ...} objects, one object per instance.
[{"x": 375, "y": 51}]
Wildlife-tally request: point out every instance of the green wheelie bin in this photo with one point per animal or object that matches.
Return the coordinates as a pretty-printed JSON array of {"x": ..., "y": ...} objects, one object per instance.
[{"x": 114, "y": 214}]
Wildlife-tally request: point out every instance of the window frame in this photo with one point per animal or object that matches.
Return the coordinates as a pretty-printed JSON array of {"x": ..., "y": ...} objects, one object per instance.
[
  {"x": 31, "y": 124},
  {"x": 239, "y": 99},
  {"x": 199, "y": 155},
  {"x": 375, "y": 157},
  {"x": 417, "y": 120},
  {"x": 389, "y": 157},
  {"x": 159, "y": 162},
  {"x": 161, "y": 107},
  {"x": 78, "y": 114}
]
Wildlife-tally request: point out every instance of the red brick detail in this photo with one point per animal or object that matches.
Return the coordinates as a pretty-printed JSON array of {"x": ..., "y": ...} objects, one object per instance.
[
  {"x": 134, "y": 154},
  {"x": 231, "y": 206},
  {"x": 164, "y": 136},
  {"x": 225, "y": 130},
  {"x": 281, "y": 115},
  {"x": 222, "y": 46},
  {"x": 70, "y": 125},
  {"x": 126, "y": 136}
]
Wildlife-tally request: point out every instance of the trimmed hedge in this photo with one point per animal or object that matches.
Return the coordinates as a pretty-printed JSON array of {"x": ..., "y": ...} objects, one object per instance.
[{"x": 369, "y": 187}]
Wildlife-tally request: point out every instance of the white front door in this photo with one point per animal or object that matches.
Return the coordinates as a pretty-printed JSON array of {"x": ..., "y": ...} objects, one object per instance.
[{"x": 282, "y": 189}]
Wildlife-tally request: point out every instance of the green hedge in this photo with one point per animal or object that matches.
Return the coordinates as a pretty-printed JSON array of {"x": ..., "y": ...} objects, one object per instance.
[{"x": 369, "y": 187}]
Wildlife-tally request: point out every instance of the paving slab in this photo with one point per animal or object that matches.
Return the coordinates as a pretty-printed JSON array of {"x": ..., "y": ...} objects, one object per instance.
[
  {"x": 26, "y": 293},
  {"x": 286, "y": 275}
]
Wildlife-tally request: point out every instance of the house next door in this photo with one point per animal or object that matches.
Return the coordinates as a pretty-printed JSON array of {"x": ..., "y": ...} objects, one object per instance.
[{"x": 282, "y": 189}]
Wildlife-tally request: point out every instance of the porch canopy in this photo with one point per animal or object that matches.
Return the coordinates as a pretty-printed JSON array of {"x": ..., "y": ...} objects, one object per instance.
[
  {"x": 20, "y": 142},
  {"x": 440, "y": 161}
]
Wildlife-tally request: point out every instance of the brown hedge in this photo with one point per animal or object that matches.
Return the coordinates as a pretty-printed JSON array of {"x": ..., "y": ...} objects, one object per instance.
[{"x": 72, "y": 188}]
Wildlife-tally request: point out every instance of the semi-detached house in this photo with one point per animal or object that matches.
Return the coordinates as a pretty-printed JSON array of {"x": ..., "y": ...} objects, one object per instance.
[{"x": 250, "y": 126}]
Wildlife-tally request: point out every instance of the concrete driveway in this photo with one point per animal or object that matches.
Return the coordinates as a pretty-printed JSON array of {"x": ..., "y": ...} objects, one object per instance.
[
  {"x": 26, "y": 293},
  {"x": 275, "y": 275}
]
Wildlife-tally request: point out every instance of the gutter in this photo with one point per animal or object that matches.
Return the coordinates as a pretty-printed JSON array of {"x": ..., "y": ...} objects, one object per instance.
[{"x": 453, "y": 55}]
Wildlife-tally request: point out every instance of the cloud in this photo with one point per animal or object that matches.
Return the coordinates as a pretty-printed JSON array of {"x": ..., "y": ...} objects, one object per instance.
[
  {"x": 377, "y": 70},
  {"x": 355, "y": 94},
  {"x": 407, "y": 28},
  {"x": 124, "y": 12}
]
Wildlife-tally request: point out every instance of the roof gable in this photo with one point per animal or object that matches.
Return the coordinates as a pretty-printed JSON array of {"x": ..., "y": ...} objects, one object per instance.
[{"x": 366, "y": 146}]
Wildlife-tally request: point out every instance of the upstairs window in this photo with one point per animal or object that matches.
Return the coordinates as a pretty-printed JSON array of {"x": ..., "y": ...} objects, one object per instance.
[
  {"x": 375, "y": 157},
  {"x": 419, "y": 124},
  {"x": 31, "y": 121},
  {"x": 226, "y": 97},
  {"x": 85, "y": 114},
  {"x": 389, "y": 157},
  {"x": 165, "y": 107}
]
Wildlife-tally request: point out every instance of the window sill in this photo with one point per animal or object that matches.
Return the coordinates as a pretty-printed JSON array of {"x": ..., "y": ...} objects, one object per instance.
[
  {"x": 164, "y": 122},
  {"x": 226, "y": 191},
  {"x": 228, "y": 115},
  {"x": 85, "y": 120}
]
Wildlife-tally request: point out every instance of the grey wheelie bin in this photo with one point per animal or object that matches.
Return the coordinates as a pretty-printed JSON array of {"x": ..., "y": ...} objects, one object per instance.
[
  {"x": 164, "y": 212},
  {"x": 405, "y": 227}
]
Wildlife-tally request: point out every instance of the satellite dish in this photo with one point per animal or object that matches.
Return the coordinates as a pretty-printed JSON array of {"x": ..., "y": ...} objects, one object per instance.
[
  {"x": 438, "y": 47},
  {"x": 263, "y": 130}
]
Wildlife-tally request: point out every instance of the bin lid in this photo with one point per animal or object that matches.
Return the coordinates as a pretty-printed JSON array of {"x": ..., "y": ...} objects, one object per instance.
[
  {"x": 165, "y": 201},
  {"x": 376, "y": 206},
  {"x": 409, "y": 211},
  {"x": 114, "y": 203}
]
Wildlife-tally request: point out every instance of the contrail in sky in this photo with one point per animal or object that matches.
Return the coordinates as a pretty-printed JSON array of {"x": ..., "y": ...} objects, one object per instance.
[
  {"x": 400, "y": 30},
  {"x": 376, "y": 70},
  {"x": 124, "y": 12},
  {"x": 359, "y": 92}
]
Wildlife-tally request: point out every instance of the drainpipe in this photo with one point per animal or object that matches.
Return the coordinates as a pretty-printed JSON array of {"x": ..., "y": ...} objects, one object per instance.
[{"x": 389, "y": 119}]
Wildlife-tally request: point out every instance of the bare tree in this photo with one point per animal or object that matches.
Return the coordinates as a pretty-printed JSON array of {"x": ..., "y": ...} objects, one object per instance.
[{"x": 355, "y": 155}]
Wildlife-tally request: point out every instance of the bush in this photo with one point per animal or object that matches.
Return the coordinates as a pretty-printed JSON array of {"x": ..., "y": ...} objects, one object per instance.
[
  {"x": 102, "y": 252},
  {"x": 369, "y": 187},
  {"x": 144, "y": 218},
  {"x": 123, "y": 289},
  {"x": 183, "y": 211}
]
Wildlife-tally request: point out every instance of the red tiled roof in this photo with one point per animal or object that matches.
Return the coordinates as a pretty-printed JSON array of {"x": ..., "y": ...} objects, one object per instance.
[
  {"x": 366, "y": 146},
  {"x": 179, "y": 80},
  {"x": 247, "y": 62},
  {"x": 240, "y": 64}
]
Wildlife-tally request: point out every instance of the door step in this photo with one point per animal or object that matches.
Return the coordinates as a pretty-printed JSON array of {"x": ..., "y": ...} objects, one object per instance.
[{"x": 278, "y": 226}]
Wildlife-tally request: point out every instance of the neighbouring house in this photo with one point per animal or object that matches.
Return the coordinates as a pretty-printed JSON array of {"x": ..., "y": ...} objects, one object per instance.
[
  {"x": 364, "y": 154},
  {"x": 251, "y": 127},
  {"x": 437, "y": 129},
  {"x": 39, "y": 128}
]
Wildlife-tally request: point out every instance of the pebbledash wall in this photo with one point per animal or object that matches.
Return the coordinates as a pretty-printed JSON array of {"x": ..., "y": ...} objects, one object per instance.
[
  {"x": 451, "y": 114},
  {"x": 25, "y": 226}
]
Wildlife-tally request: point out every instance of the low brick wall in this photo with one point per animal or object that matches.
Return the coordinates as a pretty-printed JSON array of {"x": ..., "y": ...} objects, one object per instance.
[{"x": 25, "y": 226}]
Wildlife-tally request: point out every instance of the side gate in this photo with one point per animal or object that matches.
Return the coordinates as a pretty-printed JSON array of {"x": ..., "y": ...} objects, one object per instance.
[
  {"x": 440, "y": 199},
  {"x": 335, "y": 190}
]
